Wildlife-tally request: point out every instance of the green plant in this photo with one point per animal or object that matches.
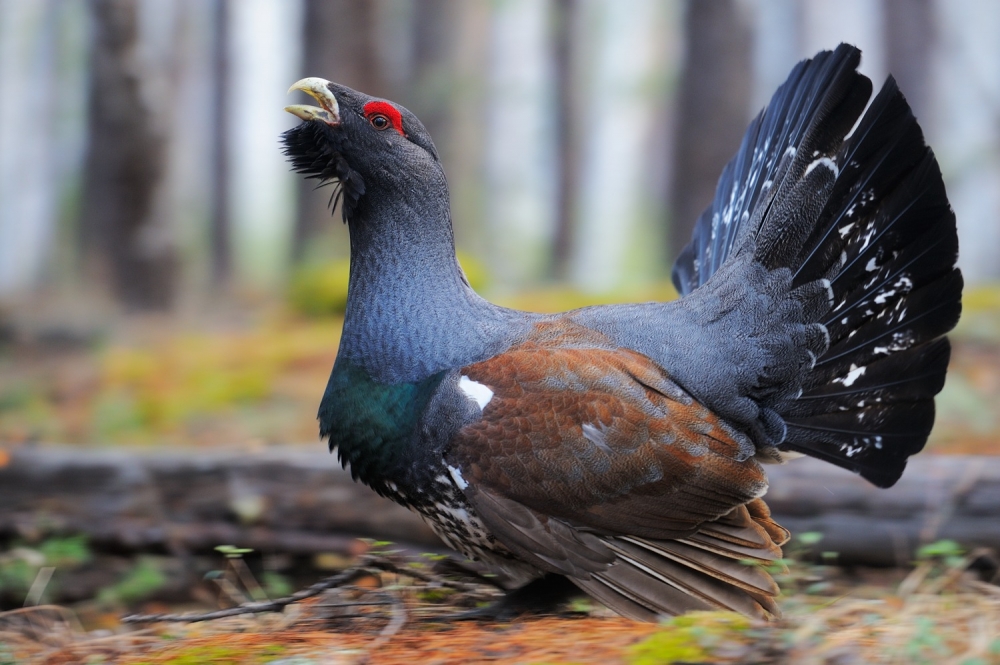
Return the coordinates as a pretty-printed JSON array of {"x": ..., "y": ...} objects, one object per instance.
[
  {"x": 948, "y": 552},
  {"x": 233, "y": 552},
  {"x": 275, "y": 584},
  {"x": 142, "y": 581},
  {"x": 19, "y": 565}
]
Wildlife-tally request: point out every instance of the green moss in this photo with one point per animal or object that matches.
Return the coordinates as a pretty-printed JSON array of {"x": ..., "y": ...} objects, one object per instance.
[
  {"x": 690, "y": 638},
  {"x": 225, "y": 655}
]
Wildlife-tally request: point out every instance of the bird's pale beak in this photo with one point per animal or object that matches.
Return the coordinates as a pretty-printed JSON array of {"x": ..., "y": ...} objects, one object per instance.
[{"x": 318, "y": 89}]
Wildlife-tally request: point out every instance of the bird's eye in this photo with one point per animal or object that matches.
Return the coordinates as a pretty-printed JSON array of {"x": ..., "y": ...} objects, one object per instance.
[{"x": 379, "y": 121}]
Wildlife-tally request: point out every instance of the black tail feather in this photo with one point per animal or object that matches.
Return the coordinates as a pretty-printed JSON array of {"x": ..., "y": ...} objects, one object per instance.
[{"x": 867, "y": 217}]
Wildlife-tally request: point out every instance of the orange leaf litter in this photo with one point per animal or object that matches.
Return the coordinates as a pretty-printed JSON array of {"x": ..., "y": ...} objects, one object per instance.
[{"x": 585, "y": 640}]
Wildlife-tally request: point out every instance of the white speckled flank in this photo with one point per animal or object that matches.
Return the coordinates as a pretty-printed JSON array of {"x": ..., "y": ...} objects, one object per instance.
[{"x": 477, "y": 392}]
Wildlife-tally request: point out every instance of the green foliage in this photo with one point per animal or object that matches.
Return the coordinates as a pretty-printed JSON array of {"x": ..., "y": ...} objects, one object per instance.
[
  {"x": 275, "y": 584},
  {"x": 948, "y": 552},
  {"x": 431, "y": 556},
  {"x": 141, "y": 582},
  {"x": 810, "y": 538},
  {"x": 690, "y": 638},
  {"x": 20, "y": 565},
  {"x": 66, "y": 552},
  {"x": 233, "y": 552}
]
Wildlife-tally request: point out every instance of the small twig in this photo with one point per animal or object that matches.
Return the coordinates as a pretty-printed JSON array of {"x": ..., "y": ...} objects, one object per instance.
[
  {"x": 396, "y": 623},
  {"x": 390, "y": 566},
  {"x": 42, "y": 580},
  {"x": 227, "y": 587},
  {"x": 249, "y": 581},
  {"x": 368, "y": 565},
  {"x": 276, "y": 605}
]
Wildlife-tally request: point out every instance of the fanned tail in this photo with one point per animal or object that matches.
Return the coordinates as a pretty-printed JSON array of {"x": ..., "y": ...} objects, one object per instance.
[{"x": 865, "y": 221}]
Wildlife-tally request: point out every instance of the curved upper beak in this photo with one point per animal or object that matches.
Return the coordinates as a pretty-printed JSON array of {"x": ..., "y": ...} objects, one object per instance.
[{"x": 318, "y": 89}]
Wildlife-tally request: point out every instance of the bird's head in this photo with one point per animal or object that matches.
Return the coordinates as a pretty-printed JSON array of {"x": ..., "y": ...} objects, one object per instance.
[{"x": 362, "y": 142}]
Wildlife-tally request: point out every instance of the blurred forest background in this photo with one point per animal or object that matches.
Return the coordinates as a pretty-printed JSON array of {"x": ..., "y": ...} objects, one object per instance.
[{"x": 165, "y": 279}]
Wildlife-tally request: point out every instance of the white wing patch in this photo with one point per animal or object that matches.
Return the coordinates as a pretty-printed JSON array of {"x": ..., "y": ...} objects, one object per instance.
[
  {"x": 596, "y": 436},
  {"x": 475, "y": 391}
]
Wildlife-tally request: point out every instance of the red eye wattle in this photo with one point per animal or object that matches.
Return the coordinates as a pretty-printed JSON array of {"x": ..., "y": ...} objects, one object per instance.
[{"x": 383, "y": 115}]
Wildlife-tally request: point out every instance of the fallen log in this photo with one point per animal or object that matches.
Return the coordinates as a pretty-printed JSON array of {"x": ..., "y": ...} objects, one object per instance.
[
  {"x": 954, "y": 497},
  {"x": 288, "y": 499},
  {"x": 298, "y": 500}
]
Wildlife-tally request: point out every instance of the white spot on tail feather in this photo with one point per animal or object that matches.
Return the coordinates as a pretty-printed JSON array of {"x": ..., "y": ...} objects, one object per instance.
[
  {"x": 475, "y": 391},
  {"x": 823, "y": 161},
  {"x": 853, "y": 375}
]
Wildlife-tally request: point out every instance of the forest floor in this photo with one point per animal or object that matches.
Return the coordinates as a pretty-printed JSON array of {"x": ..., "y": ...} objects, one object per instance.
[
  {"x": 940, "y": 612},
  {"x": 257, "y": 380}
]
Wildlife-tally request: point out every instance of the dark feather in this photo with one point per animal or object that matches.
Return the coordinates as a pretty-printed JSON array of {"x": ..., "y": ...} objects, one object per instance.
[{"x": 871, "y": 227}]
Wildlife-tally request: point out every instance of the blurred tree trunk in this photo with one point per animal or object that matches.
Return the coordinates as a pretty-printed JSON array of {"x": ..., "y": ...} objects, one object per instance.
[
  {"x": 431, "y": 83},
  {"x": 221, "y": 231},
  {"x": 909, "y": 35},
  {"x": 125, "y": 163},
  {"x": 341, "y": 44},
  {"x": 713, "y": 102},
  {"x": 567, "y": 129}
]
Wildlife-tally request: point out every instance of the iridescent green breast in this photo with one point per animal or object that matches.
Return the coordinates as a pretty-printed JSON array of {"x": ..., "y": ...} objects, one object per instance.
[{"x": 372, "y": 424}]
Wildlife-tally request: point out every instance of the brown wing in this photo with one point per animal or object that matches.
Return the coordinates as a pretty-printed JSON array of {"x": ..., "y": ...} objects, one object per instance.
[
  {"x": 590, "y": 462},
  {"x": 602, "y": 438}
]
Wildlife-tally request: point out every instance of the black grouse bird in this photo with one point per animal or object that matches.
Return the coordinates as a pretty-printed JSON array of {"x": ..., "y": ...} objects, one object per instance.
[{"x": 621, "y": 447}]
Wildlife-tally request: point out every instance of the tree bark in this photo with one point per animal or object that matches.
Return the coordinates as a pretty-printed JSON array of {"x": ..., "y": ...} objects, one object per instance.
[
  {"x": 713, "y": 103},
  {"x": 221, "y": 234},
  {"x": 567, "y": 136},
  {"x": 125, "y": 164}
]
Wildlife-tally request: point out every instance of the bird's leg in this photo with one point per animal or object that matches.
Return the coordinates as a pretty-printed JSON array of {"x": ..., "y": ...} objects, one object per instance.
[{"x": 542, "y": 596}]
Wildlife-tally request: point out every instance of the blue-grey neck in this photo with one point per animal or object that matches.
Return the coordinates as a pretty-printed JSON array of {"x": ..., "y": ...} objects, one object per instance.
[{"x": 411, "y": 312}]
